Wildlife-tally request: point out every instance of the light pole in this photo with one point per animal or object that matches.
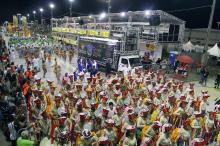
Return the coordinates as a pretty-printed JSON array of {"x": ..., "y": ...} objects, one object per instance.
[
  {"x": 52, "y": 7},
  {"x": 19, "y": 22},
  {"x": 205, "y": 56},
  {"x": 109, "y": 6},
  {"x": 71, "y": 5},
  {"x": 109, "y": 17},
  {"x": 34, "y": 12},
  {"x": 19, "y": 19},
  {"x": 210, "y": 24},
  {"x": 28, "y": 16},
  {"x": 41, "y": 15}
]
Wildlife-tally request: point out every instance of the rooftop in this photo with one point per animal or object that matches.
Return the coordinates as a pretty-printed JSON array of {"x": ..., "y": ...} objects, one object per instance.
[{"x": 130, "y": 16}]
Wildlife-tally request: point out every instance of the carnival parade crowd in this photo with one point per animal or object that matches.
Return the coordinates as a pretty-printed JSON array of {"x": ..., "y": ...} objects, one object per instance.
[{"x": 143, "y": 108}]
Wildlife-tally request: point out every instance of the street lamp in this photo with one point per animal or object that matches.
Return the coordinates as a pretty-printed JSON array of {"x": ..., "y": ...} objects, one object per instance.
[
  {"x": 52, "y": 7},
  {"x": 19, "y": 19},
  {"x": 109, "y": 11},
  {"x": 71, "y": 5},
  {"x": 19, "y": 22},
  {"x": 41, "y": 15},
  {"x": 41, "y": 10},
  {"x": 34, "y": 12},
  {"x": 28, "y": 15}
]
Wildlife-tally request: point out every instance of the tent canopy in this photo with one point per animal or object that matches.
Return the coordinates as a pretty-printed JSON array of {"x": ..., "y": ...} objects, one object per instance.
[
  {"x": 188, "y": 46},
  {"x": 214, "y": 51}
]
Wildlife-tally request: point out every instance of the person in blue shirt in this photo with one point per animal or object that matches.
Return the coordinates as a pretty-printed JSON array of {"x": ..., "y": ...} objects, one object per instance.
[
  {"x": 84, "y": 64},
  {"x": 80, "y": 67},
  {"x": 74, "y": 75},
  {"x": 89, "y": 65},
  {"x": 93, "y": 71}
]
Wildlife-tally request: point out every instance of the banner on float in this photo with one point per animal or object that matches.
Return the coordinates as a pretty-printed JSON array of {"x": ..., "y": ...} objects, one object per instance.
[
  {"x": 104, "y": 34},
  {"x": 92, "y": 33},
  {"x": 95, "y": 33},
  {"x": 151, "y": 47}
]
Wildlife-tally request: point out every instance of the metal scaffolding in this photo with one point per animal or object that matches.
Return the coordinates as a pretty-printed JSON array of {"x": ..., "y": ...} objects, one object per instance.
[{"x": 170, "y": 29}]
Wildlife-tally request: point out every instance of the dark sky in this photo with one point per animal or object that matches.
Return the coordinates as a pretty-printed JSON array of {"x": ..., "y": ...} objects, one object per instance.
[{"x": 194, "y": 18}]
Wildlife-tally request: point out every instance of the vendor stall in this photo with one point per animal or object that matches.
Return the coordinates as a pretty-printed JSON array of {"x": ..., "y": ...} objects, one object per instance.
[{"x": 184, "y": 66}]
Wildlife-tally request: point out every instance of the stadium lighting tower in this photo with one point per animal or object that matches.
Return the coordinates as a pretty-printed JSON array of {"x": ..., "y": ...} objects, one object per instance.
[
  {"x": 52, "y": 6},
  {"x": 41, "y": 10},
  {"x": 71, "y": 6},
  {"x": 41, "y": 15},
  {"x": 34, "y": 13},
  {"x": 28, "y": 16}
]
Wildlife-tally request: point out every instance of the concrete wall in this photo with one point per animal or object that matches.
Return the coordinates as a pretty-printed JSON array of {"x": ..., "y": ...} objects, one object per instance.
[{"x": 198, "y": 36}]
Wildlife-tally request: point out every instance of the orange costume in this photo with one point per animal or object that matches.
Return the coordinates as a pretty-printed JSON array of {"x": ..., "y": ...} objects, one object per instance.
[
  {"x": 26, "y": 88},
  {"x": 29, "y": 74}
]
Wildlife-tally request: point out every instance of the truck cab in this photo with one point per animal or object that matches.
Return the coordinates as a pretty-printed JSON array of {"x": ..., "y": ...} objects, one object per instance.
[{"x": 129, "y": 62}]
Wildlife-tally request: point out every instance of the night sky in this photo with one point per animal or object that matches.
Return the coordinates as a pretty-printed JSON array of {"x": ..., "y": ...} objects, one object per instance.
[{"x": 195, "y": 18}]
